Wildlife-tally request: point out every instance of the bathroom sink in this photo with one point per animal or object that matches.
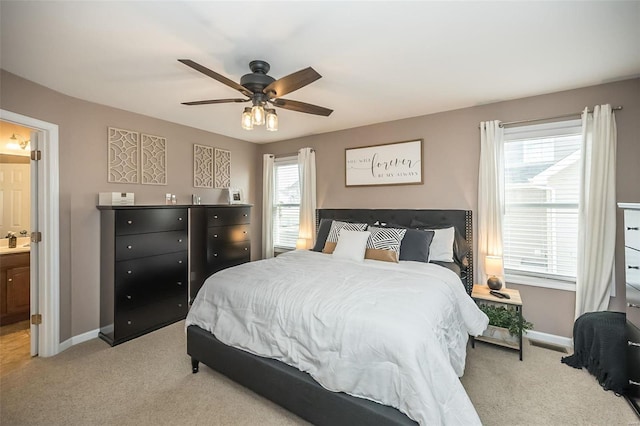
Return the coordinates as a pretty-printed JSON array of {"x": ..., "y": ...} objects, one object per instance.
[
  {"x": 7, "y": 250},
  {"x": 22, "y": 245}
]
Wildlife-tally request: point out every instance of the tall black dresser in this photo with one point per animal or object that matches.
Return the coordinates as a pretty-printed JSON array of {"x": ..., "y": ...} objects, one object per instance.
[
  {"x": 220, "y": 238},
  {"x": 143, "y": 269}
]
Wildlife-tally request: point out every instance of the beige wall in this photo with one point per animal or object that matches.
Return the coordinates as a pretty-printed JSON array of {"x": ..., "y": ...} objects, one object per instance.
[
  {"x": 451, "y": 155},
  {"x": 83, "y": 173},
  {"x": 451, "y": 152}
]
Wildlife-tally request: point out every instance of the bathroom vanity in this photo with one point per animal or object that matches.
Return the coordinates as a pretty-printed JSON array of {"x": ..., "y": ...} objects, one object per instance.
[{"x": 14, "y": 286}]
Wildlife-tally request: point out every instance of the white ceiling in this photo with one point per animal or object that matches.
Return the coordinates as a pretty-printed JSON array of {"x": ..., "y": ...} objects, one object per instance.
[{"x": 380, "y": 61}]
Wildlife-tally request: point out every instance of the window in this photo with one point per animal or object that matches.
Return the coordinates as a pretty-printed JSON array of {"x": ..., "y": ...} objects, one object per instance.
[
  {"x": 542, "y": 179},
  {"x": 286, "y": 208}
]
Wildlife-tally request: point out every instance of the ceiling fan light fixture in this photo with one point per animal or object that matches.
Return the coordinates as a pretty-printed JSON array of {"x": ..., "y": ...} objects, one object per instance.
[
  {"x": 258, "y": 115},
  {"x": 272, "y": 120},
  {"x": 263, "y": 91},
  {"x": 247, "y": 119}
]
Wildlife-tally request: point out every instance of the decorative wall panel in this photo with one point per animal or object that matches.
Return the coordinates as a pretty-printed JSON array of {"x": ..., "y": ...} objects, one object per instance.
[
  {"x": 202, "y": 166},
  {"x": 154, "y": 160},
  {"x": 223, "y": 168},
  {"x": 123, "y": 156}
]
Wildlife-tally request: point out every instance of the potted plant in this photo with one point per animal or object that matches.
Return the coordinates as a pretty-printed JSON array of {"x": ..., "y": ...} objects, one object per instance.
[{"x": 504, "y": 323}]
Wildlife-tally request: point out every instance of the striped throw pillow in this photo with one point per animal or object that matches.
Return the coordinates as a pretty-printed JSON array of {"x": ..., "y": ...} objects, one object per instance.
[{"x": 384, "y": 244}]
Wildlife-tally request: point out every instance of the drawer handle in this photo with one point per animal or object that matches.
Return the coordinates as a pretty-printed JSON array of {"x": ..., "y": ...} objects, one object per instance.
[
  {"x": 633, "y": 267},
  {"x": 244, "y": 232},
  {"x": 10, "y": 279},
  {"x": 215, "y": 216},
  {"x": 245, "y": 215},
  {"x": 215, "y": 254},
  {"x": 129, "y": 247},
  {"x": 129, "y": 222},
  {"x": 246, "y": 248},
  {"x": 179, "y": 261},
  {"x": 215, "y": 235},
  {"x": 632, "y": 228},
  {"x": 128, "y": 297},
  {"x": 631, "y": 382},
  {"x": 129, "y": 322},
  {"x": 179, "y": 305},
  {"x": 633, "y": 305},
  {"x": 179, "y": 282},
  {"x": 129, "y": 272},
  {"x": 630, "y": 343},
  {"x": 180, "y": 240},
  {"x": 180, "y": 218}
]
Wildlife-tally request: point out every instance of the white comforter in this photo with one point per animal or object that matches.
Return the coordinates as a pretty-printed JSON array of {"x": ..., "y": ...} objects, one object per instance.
[{"x": 392, "y": 333}]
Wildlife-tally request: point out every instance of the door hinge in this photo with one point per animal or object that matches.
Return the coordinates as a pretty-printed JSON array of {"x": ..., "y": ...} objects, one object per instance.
[
  {"x": 36, "y": 155},
  {"x": 36, "y": 319},
  {"x": 36, "y": 237}
]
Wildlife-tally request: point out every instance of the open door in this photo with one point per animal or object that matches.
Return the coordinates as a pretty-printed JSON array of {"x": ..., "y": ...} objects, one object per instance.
[
  {"x": 45, "y": 255},
  {"x": 34, "y": 269}
]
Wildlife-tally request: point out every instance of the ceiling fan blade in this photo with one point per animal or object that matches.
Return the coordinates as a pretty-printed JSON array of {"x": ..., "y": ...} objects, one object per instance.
[
  {"x": 291, "y": 82},
  {"x": 222, "y": 79},
  {"x": 215, "y": 101},
  {"x": 301, "y": 107}
]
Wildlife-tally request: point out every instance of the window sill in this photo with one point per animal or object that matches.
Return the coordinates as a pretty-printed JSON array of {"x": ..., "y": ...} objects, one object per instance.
[{"x": 540, "y": 282}]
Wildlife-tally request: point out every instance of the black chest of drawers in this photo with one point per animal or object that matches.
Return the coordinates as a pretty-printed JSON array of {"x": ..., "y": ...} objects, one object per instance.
[
  {"x": 143, "y": 269},
  {"x": 220, "y": 238}
]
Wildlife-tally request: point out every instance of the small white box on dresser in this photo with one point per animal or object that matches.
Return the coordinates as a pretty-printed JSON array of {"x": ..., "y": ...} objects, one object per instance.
[{"x": 115, "y": 199}]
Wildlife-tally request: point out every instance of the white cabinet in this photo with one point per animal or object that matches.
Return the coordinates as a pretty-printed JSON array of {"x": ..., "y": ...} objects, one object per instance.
[{"x": 632, "y": 279}]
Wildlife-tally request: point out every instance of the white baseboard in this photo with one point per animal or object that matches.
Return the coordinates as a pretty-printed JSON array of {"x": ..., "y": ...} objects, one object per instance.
[
  {"x": 531, "y": 334},
  {"x": 550, "y": 338},
  {"x": 80, "y": 338}
]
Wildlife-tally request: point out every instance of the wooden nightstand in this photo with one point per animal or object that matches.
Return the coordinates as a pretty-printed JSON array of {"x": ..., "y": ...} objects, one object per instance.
[{"x": 481, "y": 293}]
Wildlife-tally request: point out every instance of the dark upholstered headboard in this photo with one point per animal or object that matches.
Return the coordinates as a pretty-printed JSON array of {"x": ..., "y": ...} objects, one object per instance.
[{"x": 460, "y": 219}]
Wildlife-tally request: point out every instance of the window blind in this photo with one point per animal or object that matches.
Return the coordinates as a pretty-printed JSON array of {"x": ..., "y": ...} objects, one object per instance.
[
  {"x": 542, "y": 178},
  {"x": 286, "y": 209}
]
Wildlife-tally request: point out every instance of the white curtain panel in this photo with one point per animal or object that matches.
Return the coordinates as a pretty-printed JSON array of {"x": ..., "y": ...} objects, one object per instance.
[
  {"x": 307, "y": 171},
  {"x": 596, "y": 211},
  {"x": 490, "y": 194},
  {"x": 267, "y": 205}
]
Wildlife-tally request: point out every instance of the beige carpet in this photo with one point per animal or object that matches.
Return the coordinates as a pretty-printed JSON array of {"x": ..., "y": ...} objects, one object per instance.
[{"x": 148, "y": 381}]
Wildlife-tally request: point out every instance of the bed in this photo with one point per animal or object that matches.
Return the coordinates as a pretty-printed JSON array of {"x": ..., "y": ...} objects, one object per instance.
[{"x": 394, "y": 349}]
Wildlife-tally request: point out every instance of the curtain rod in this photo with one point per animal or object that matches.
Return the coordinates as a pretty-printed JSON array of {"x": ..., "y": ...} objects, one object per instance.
[
  {"x": 290, "y": 154},
  {"x": 511, "y": 123}
]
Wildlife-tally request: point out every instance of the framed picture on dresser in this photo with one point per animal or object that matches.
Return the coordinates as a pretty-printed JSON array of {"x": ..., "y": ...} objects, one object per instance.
[{"x": 235, "y": 196}]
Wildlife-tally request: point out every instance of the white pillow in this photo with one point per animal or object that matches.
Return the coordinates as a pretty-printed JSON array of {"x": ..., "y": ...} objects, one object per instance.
[
  {"x": 351, "y": 245},
  {"x": 336, "y": 226},
  {"x": 441, "y": 248}
]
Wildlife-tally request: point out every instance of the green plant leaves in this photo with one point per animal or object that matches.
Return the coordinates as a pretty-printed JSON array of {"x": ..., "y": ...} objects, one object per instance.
[{"x": 506, "y": 317}]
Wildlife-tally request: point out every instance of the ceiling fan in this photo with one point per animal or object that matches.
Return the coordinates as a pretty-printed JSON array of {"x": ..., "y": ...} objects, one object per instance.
[{"x": 262, "y": 89}]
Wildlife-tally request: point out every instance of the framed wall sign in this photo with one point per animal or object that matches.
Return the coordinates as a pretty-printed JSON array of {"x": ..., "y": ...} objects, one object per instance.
[{"x": 398, "y": 163}]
